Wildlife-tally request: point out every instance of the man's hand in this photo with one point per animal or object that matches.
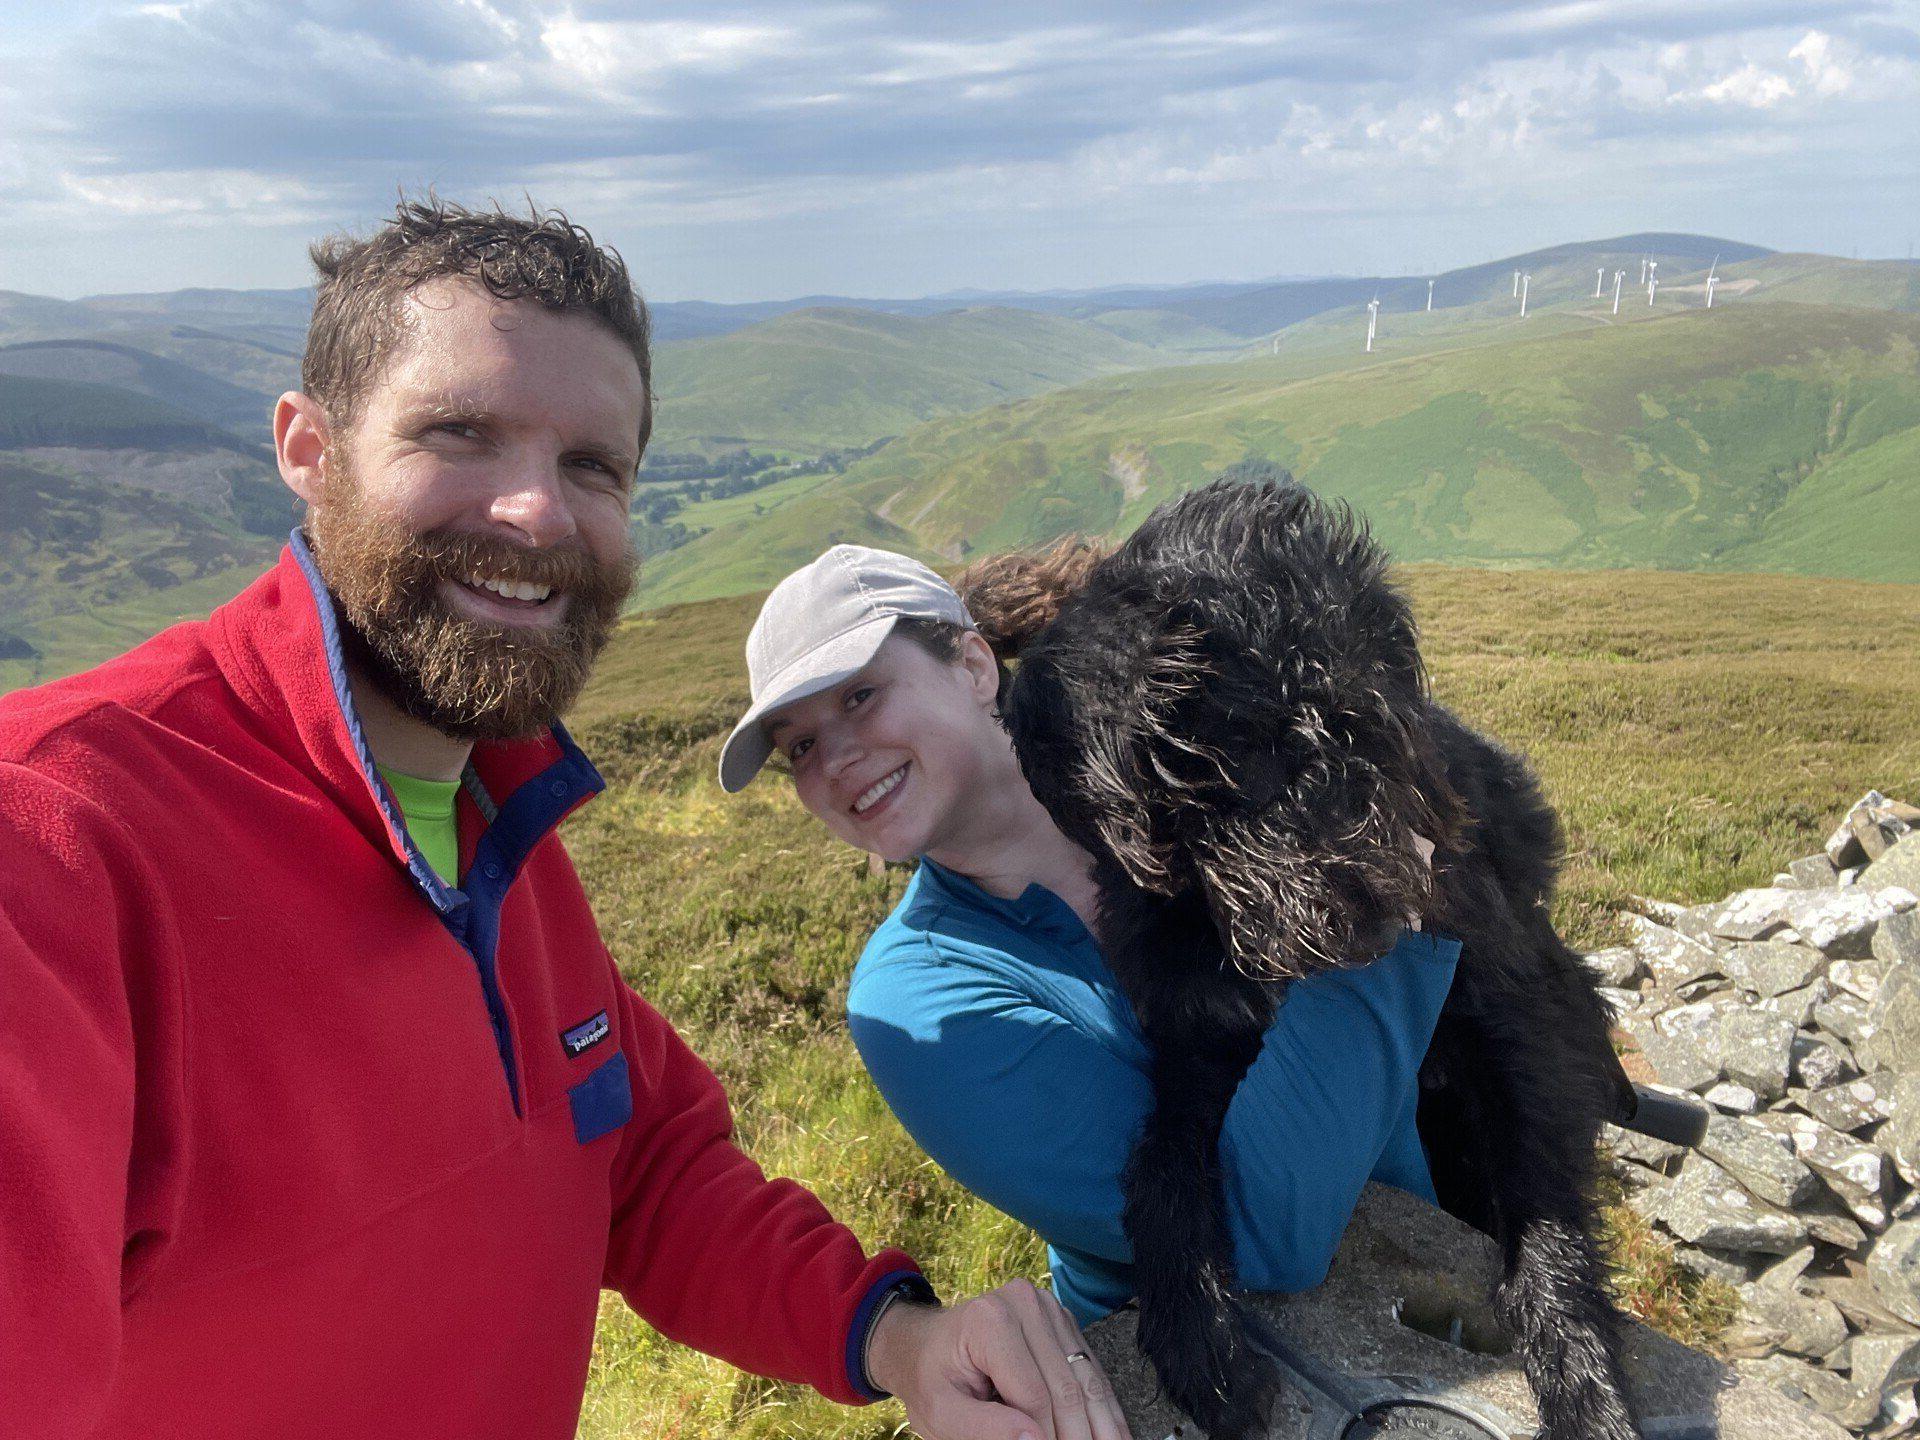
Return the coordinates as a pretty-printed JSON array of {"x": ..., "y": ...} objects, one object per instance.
[{"x": 1005, "y": 1365}]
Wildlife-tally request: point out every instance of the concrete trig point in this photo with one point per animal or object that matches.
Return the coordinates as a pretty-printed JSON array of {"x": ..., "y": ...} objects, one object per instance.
[{"x": 1401, "y": 1340}]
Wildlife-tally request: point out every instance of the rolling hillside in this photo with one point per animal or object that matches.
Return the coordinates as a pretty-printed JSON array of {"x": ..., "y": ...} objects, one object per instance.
[
  {"x": 36, "y": 410},
  {"x": 1774, "y": 432},
  {"x": 102, "y": 362},
  {"x": 119, "y": 512},
  {"x": 89, "y": 567},
  {"x": 1668, "y": 443},
  {"x": 826, "y": 379}
]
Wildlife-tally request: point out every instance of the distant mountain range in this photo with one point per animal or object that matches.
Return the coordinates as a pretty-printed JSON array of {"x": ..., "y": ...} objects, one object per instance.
[{"x": 1775, "y": 431}]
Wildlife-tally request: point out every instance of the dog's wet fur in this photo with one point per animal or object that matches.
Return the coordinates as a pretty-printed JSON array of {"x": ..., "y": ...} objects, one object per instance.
[{"x": 1230, "y": 713}]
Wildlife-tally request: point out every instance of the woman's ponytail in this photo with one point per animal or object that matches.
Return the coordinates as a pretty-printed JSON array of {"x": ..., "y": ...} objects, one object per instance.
[{"x": 1013, "y": 596}]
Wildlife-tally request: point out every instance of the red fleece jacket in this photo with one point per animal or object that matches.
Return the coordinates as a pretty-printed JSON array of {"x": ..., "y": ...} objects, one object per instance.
[{"x": 296, "y": 1141}]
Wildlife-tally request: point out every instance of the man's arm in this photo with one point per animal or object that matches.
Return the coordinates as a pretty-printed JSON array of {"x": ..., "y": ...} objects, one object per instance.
[
  {"x": 715, "y": 1255},
  {"x": 90, "y": 1141},
  {"x": 710, "y": 1251}
]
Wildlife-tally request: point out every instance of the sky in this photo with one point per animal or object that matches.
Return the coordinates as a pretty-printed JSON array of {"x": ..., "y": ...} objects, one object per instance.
[{"x": 770, "y": 149}]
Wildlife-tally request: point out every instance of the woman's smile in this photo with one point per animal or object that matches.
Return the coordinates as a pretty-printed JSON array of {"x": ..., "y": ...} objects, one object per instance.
[{"x": 879, "y": 795}]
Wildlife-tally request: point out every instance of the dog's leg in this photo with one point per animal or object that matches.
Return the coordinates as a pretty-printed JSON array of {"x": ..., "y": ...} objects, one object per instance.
[
  {"x": 1204, "y": 1022},
  {"x": 1539, "y": 1163}
]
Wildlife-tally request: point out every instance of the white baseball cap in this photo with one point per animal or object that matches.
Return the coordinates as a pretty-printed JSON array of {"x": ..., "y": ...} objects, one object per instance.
[{"x": 820, "y": 626}]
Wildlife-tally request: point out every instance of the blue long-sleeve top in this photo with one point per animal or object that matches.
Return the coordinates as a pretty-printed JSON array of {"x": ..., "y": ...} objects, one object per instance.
[{"x": 999, "y": 1036}]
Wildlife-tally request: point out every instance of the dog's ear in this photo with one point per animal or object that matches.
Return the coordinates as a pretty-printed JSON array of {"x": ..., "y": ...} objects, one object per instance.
[
  {"x": 1291, "y": 896},
  {"x": 1111, "y": 787}
]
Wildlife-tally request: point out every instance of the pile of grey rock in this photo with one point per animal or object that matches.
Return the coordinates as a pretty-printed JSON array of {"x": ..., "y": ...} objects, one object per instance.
[{"x": 1794, "y": 1011}]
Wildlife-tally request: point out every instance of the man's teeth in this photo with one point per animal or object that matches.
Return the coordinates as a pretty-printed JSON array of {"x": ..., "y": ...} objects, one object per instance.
[
  {"x": 879, "y": 788},
  {"x": 512, "y": 589}
]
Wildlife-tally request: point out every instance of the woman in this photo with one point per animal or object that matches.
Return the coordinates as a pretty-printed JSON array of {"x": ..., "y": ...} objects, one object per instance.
[{"x": 982, "y": 1006}]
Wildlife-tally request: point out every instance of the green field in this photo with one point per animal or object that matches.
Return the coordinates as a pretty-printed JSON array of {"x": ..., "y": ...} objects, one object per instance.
[
  {"x": 1675, "y": 441},
  {"x": 1695, "y": 731}
]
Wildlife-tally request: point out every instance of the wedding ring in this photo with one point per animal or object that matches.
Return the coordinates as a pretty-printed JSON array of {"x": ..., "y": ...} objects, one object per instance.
[{"x": 1078, "y": 1355}]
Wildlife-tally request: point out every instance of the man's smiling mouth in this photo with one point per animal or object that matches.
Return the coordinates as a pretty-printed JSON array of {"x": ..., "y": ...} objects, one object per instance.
[
  {"x": 510, "y": 589},
  {"x": 507, "y": 601},
  {"x": 879, "y": 790}
]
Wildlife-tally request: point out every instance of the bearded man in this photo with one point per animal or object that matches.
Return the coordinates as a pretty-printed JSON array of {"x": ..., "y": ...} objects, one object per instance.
[{"x": 324, "y": 1111}]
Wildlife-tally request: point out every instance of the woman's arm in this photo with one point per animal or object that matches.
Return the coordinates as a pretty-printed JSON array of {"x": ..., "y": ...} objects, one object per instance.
[
  {"x": 1036, "y": 1114},
  {"x": 1326, "y": 1105}
]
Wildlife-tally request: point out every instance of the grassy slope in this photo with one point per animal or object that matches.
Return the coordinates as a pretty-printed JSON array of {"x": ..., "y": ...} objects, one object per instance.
[
  {"x": 1694, "y": 731},
  {"x": 1666, "y": 442},
  {"x": 181, "y": 386},
  {"x": 1827, "y": 280},
  {"x": 89, "y": 568},
  {"x": 38, "y": 410},
  {"x": 824, "y": 379}
]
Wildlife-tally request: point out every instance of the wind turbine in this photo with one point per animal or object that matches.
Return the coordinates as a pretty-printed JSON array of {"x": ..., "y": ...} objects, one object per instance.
[
  {"x": 1525, "y": 282},
  {"x": 1598, "y": 276},
  {"x": 1516, "y": 282},
  {"x": 1373, "y": 320},
  {"x": 1429, "y": 296},
  {"x": 1616, "y": 290},
  {"x": 1711, "y": 282},
  {"x": 1643, "y": 269},
  {"x": 1653, "y": 284}
]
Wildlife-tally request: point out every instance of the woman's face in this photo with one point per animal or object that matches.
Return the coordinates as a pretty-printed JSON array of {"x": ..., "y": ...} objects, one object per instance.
[{"x": 889, "y": 759}]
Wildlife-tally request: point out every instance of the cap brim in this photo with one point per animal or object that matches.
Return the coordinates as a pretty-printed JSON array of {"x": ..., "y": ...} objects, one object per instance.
[{"x": 821, "y": 668}]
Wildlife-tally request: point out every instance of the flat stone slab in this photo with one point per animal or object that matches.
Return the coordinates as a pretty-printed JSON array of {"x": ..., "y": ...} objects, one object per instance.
[{"x": 1405, "y": 1273}]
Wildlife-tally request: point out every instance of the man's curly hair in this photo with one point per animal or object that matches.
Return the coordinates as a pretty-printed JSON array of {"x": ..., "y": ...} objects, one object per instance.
[{"x": 359, "y": 316}]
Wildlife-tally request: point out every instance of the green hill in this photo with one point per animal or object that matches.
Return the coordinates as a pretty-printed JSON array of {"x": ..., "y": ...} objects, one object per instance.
[
  {"x": 89, "y": 567},
  {"x": 181, "y": 386},
  {"x": 40, "y": 411},
  {"x": 1825, "y": 280},
  {"x": 1667, "y": 443},
  {"x": 833, "y": 378}
]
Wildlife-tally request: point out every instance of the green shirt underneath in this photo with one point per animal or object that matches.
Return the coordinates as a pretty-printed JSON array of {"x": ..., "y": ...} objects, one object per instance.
[{"x": 428, "y": 807}]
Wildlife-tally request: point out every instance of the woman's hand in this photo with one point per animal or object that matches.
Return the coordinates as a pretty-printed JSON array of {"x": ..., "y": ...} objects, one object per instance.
[{"x": 1005, "y": 1365}]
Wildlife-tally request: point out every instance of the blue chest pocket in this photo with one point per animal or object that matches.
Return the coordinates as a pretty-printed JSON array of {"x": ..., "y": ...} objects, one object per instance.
[{"x": 603, "y": 1101}]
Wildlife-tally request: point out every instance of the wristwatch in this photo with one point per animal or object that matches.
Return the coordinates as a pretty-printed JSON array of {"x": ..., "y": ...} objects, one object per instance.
[{"x": 915, "y": 1290}]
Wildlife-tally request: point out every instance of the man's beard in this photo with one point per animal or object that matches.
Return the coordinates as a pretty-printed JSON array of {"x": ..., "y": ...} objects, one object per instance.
[{"x": 468, "y": 678}]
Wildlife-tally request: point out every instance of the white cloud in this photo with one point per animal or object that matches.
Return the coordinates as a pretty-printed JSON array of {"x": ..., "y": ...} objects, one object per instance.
[
  {"x": 1825, "y": 71},
  {"x": 1751, "y": 86},
  {"x": 622, "y": 52},
  {"x": 724, "y": 131}
]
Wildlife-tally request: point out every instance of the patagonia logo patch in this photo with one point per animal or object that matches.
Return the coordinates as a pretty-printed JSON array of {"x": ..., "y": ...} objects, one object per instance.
[{"x": 587, "y": 1034}]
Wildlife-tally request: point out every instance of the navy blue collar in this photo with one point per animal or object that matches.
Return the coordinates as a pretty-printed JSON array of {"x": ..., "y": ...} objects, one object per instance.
[{"x": 562, "y": 785}]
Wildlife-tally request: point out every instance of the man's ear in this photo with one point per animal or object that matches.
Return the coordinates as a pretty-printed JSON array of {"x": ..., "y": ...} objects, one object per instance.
[{"x": 300, "y": 445}]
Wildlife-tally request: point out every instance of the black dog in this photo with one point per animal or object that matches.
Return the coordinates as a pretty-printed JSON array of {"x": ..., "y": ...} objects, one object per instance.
[{"x": 1231, "y": 714}]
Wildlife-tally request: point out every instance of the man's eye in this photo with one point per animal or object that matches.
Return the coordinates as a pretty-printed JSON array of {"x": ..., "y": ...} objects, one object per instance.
[
  {"x": 459, "y": 428},
  {"x": 859, "y": 697},
  {"x": 800, "y": 747}
]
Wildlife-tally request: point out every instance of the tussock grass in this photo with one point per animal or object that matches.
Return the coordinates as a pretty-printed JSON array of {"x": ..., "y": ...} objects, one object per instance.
[{"x": 1695, "y": 731}]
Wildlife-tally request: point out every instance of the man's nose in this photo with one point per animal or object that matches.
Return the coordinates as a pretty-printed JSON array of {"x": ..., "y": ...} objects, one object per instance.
[{"x": 534, "y": 502}]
